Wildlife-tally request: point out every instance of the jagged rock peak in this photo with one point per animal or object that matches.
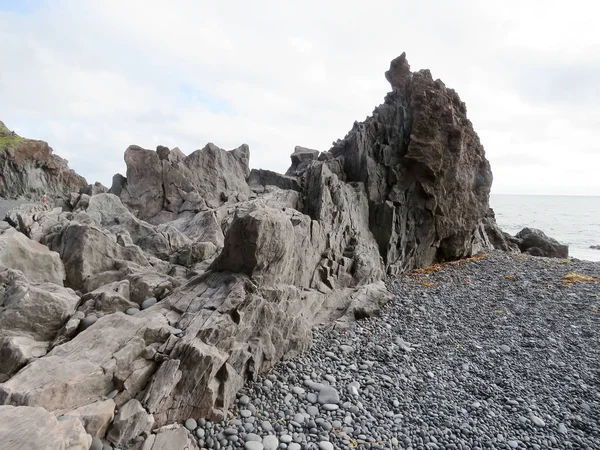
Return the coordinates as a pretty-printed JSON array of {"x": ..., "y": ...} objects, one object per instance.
[{"x": 399, "y": 74}]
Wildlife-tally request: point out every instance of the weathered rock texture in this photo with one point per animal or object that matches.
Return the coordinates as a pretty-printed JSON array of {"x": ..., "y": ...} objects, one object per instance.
[
  {"x": 221, "y": 272},
  {"x": 536, "y": 243},
  {"x": 160, "y": 185},
  {"x": 28, "y": 169},
  {"x": 35, "y": 428}
]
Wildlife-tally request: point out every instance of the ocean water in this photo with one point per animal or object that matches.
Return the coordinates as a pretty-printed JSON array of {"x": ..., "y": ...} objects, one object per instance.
[{"x": 572, "y": 220}]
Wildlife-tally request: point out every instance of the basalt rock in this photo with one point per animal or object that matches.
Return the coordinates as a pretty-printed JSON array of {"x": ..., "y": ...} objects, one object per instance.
[
  {"x": 536, "y": 243},
  {"x": 424, "y": 171},
  {"x": 159, "y": 185},
  {"x": 242, "y": 264},
  {"x": 29, "y": 169}
]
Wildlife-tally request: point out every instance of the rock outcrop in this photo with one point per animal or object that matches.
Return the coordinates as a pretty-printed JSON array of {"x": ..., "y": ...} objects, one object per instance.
[
  {"x": 193, "y": 273},
  {"x": 29, "y": 169},
  {"x": 160, "y": 185},
  {"x": 24, "y": 427},
  {"x": 535, "y": 242}
]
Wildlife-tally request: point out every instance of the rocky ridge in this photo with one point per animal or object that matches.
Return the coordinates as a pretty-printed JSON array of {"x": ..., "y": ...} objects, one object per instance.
[
  {"x": 155, "y": 302},
  {"x": 29, "y": 169}
]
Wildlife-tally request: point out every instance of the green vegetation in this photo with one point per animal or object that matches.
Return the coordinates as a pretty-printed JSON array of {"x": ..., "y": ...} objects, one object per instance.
[{"x": 7, "y": 138}]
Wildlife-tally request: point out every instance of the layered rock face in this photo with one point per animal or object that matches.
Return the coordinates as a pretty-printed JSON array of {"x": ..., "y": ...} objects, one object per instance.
[
  {"x": 28, "y": 169},
  {"x": 424, "y": 171},
  {"x": 194, "y": 273},
  {"x": 160, "y": 185}
]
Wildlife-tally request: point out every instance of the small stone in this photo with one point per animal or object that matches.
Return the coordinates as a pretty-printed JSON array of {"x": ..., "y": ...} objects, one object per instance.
[
  {"x": 294, "y": 446},
  {"x": 112, "y": 394},
  {"x": 270, "y": 443},
  {"x": 132, "y": 311},
  {"x": 505, "y": 348},
  {"x": 245, "y": 413},
  {"x": 253, "y": 445},
  {"x": 285, "y": 438},
  {"x": 330, "y": 407},
  {"x": 325, "y": 445},
  {"x": 191, "y": 424},
  {"x": 328, "y": 395},
  {"x": 244, "y": 400},
  {"x": 266, "y": 426},
  {"x": 298, "y": 390},
  {"x": 562, "y": 429},
  {"x": 253, "y": 437},
  {"x": 200, "y": 433},
  {"x": 538, "y": 422},
  {"x": 97, "y": 444},
  {"x": 89, "y": 321},
  {"x": 149, "y": 302},
  {"x": 313, "y": 411}
]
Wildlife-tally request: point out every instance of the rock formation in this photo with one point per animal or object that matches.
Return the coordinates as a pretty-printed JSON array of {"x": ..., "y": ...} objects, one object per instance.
[
  {"x": 194, "y": 273},
  {"x": 28, "y": 169},
  {"x": 535, "y": 242}
]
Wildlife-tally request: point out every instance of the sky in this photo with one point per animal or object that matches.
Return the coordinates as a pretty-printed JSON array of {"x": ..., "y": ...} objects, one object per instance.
[{"x": 92, "y": 77}]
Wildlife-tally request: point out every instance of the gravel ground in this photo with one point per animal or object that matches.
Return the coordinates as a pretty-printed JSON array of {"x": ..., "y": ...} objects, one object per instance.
[{"x": 491, "y": 353}]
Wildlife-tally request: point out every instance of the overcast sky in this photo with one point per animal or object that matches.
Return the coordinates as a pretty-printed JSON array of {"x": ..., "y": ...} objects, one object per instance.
[{"x": 93, "y": 77}]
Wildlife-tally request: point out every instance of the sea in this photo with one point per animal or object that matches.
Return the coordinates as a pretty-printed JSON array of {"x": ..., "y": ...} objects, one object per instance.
[{"x": 571, "y": 220}]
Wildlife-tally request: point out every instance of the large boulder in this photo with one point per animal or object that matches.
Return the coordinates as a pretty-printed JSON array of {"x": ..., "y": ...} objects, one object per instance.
[
  {"x": 23, "y": 427},
  {"x": 35, "y": 260},
  {"x": 159, "y": 186},
  {"x": 536, "y": 243},
  {"x": 88, "y": 250},
  {"x": 87, "y": 368},
  {"x": 28, "y": 169},
  {"x": 31, "y": 315}
]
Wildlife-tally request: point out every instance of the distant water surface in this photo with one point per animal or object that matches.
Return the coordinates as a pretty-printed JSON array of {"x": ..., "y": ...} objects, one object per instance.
[{"x": 571, "y": 220}]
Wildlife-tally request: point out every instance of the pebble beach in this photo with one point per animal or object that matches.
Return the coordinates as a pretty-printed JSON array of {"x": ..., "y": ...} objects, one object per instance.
[{"x": 497, "y": 352}]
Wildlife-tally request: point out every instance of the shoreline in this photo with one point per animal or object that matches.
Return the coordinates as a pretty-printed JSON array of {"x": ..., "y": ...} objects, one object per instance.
[{"x": 487, "y": 353}]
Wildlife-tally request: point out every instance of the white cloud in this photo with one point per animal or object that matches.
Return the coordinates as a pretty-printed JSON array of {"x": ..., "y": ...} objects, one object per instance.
[{"x": 94, "y": 77}]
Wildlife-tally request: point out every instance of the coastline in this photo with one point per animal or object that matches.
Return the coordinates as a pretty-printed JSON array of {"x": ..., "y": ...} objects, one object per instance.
[{"x": 493, "y": 352}]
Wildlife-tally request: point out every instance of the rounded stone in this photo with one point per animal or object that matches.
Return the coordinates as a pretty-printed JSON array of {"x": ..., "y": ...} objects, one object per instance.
[
  {"x": 132, "y": 311},
  {"x": 270, "y": 443},
  {"x": 149, "y": 302},
  {"x": 97, "y": 444},
  {"x": 253, "y": 445},
  {"x": 200, "y": 433},
  {"x": 253, "y": 437},
  {"x": 112, "y": 394},
  {"x": 191, "y": 424},
  {"x": 294, "y": 446},
  {"x": 88, "y": 321},
  {"x": 285, "y": 438},
  {"x": 328, "y": 395},
  {"x": 325, "y": 445}
]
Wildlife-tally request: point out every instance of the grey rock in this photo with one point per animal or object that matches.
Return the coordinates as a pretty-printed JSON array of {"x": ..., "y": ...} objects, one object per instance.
[
  {"x": 131, "y": 421},
  {"x": 191, "y": 424},
  {"x": 23, "y": 427},
  {"x": 253, "y": 445},
  {"x": 148, "y": 303},
  {"x": 328, "y": 395},
  {"x": 536, "y": 243}
]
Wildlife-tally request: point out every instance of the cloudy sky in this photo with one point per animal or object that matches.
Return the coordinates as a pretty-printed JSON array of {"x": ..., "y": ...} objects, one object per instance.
[{"x": 94, "y": 76}]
